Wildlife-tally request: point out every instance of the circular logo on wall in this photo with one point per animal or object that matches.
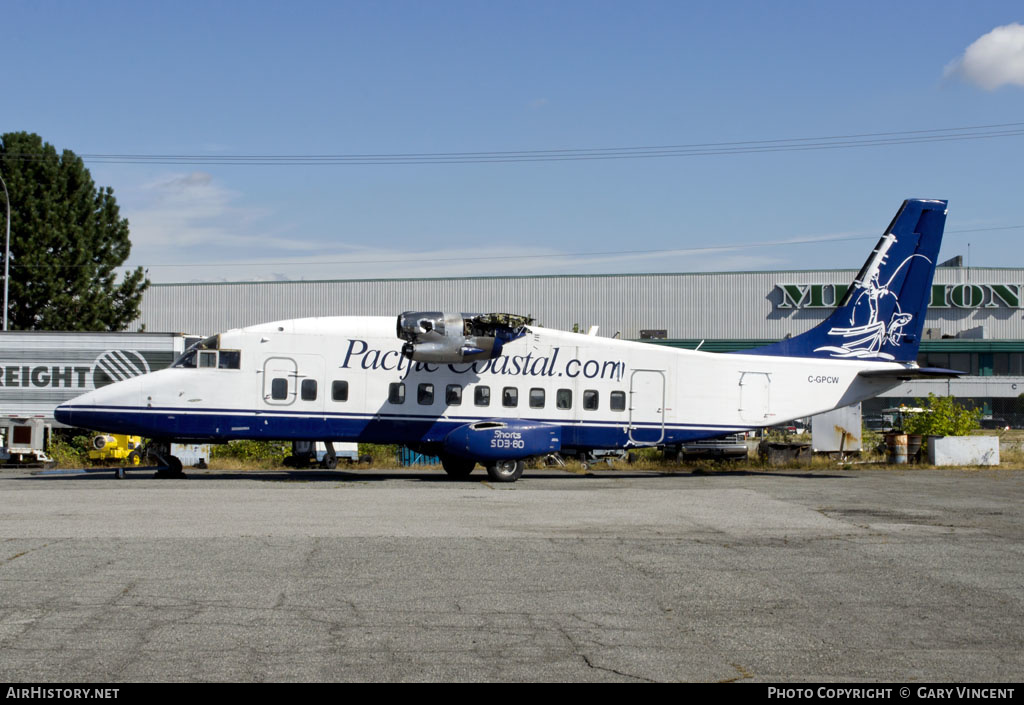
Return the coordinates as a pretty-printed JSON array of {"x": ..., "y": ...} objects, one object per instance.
[{"x": 116, "y": 366}]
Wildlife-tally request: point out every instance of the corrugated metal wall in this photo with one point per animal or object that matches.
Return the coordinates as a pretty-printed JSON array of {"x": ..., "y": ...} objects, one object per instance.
[
  {"x": 41, "y": 369},
  {"x": 713, "y": 306}
]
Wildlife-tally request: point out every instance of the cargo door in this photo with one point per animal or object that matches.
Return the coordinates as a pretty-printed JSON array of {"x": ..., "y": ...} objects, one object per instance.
[
  {"x": 647, "y": 407},
  {"x": 755, "y": 397}
]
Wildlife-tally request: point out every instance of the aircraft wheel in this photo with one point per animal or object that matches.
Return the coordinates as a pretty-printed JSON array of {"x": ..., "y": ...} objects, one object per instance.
[
  {"x": 506, "y": 470},
  {"x": 329, "y": 463},
  {"x": 173, "y": 469},
  {"x": 457, "y": 468}
]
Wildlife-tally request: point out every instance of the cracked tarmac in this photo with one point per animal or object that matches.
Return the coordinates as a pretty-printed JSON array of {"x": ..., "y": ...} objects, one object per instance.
[{"x": 617, "y": 576}]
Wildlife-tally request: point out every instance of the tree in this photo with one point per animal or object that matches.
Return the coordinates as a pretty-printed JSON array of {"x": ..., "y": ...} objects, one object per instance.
[{"x": 67, "y": 239}]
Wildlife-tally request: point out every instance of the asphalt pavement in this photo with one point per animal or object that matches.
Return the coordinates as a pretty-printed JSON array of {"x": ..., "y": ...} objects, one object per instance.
[{"x": 399, "y": 575}]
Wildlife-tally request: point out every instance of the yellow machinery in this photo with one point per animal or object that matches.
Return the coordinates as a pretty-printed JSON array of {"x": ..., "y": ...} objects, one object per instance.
[{"x": 116, "y": 446}]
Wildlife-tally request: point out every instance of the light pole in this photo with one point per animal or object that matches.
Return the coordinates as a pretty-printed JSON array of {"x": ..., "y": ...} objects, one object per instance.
[{"x": 7, "y": 249}]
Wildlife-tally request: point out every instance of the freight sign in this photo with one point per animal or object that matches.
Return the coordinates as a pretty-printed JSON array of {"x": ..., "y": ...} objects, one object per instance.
[
  {"x": 967, "y": 296},
  {"x": 41, "y": 369},
  {"x": 110, "y": 366}
]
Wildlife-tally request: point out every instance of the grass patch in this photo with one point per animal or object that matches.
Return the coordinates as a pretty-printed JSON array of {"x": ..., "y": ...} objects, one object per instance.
[{"x": 240, "y": 456}]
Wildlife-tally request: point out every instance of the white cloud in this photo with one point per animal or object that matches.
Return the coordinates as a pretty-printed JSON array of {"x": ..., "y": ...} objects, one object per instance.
[
  {"x": 993, "y": 60},
  {"x": 352, "y": 262},
  {"x": 189, "y": 213},
  {"x": 190, "y": 227}
]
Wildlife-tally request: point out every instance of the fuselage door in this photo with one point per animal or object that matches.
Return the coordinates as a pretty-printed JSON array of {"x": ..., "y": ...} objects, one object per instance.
[
  {"x": 755, "y": 397},
  {"x": 647, "y": 406},
  {"x": 280, "y": 381},
  {"x": 295, "y": 383}
]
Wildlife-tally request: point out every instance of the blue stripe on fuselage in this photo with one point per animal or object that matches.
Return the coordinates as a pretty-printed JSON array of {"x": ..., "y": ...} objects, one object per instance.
[{"x": 228, "y": 424}]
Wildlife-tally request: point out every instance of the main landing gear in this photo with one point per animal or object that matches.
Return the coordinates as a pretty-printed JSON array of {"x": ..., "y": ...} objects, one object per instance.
[
  {"x": 459, "y": 468},
  {"x": 456, "y": 467},
  {"x": 330, "y": 459},
  {"x": 506, "y": 470},
  {"x": 304, "y": 453}
]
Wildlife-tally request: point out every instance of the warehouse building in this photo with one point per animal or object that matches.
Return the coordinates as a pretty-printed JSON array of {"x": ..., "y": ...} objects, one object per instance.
[{"x": 975, "y": 318}]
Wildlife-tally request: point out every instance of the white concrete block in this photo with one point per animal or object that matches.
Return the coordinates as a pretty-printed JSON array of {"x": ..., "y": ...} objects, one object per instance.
[{"x": 963, "y": 450}]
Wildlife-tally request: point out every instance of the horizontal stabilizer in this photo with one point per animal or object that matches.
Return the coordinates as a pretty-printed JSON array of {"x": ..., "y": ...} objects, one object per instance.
[{"x": 912, "y": 373}]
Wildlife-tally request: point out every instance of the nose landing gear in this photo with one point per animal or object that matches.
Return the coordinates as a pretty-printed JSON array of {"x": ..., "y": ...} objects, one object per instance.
[{"x": 170, "y": 465}]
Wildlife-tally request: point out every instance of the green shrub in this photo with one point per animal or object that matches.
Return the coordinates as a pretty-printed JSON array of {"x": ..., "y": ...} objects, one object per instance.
[
  {"x": 270, "y": 452},
  {"x": 386, "y": 455},
  {"x": 69, "y": 451},
  {"x": 942, "y": 416},
  {"x": 872, "y": 443},
  {"x": 647, "y": 455}
]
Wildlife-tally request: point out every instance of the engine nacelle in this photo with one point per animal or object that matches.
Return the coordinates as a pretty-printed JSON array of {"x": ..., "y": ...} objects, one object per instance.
[
  {"x": 433, "y": 336},
  {"x": 503, "y": 439}
]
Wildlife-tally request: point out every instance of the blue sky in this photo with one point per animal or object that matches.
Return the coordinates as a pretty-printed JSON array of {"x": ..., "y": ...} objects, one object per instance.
[{"x": 311, "y": 78}]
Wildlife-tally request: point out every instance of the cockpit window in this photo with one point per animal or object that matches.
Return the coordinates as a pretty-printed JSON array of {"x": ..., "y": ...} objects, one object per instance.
[
  {"x": 207, "y": 353},
  {"x": 230, "y": 360},
  {"x": 186, "y": 360}
]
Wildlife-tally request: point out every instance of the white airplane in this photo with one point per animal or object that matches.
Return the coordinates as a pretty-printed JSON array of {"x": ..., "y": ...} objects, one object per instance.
[{"x": 496, "y": 389}]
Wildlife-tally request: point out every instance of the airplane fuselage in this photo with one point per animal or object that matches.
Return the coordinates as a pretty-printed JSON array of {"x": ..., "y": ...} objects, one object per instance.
[
  {"x": 495, "y": 389},
  {"x": 345, "y": 379}
]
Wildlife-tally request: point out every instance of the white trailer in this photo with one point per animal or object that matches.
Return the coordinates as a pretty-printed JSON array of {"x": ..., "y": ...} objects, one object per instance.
[
  {"x": 23, "y": 441},
  {"x": 838, "y": 431}
]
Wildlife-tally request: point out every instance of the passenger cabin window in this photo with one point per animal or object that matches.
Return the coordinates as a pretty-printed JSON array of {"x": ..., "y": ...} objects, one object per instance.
[
  {"x": 425, "y": 394},
  {"x": 617, "y": 400},
  {"x": 308, "y": 390},
  {"x": 482, "y": 396},
  {"x": 279, "y": 388},
  {"x": 396, "y": 393},
  {"x": 563, "y": 400},
  {"x": 590, "y": 399},
  {"x": 536, "y": 398},
  {"x": 453, "y": 395},
  {"x": 339, "y": 390},
  {"x": 510, "y": 397}
]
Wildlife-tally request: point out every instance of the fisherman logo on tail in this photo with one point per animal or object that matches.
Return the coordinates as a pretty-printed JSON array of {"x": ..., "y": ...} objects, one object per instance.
[
  {"x": 868, "y": 331},
  {"x": 882, "y": 315}
]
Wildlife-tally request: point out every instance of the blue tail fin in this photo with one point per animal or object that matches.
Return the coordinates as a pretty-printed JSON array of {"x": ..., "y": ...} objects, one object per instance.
[{"x": 882, "y": 315}]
